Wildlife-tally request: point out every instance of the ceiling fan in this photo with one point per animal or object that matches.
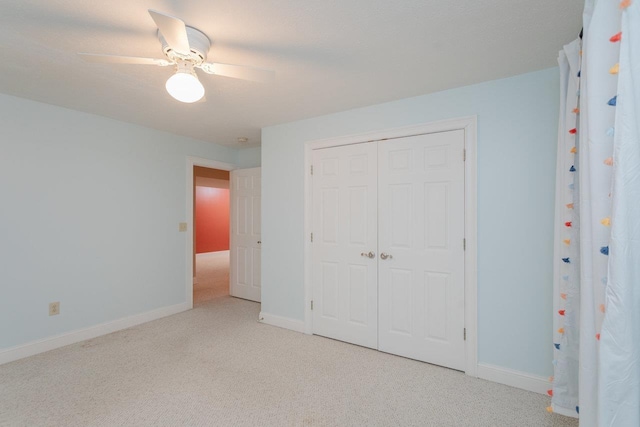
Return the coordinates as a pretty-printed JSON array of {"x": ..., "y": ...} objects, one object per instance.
[{"x": 186, "y": 49}]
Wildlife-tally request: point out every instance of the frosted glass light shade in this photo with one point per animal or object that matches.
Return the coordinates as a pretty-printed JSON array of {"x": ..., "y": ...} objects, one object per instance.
[{"x": 185, "y": 87}]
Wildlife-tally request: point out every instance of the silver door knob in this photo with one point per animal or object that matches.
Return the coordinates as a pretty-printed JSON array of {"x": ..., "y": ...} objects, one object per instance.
[
  {"x": 368, "y": 255},
  {"x": 385, "y": 256}
]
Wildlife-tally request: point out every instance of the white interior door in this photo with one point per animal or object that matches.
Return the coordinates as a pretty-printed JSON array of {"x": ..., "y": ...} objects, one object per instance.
[
  {"x": 244, "y": 275},
  {"x": 421, "y": 232},
  {"x": 344, "y": 233}
]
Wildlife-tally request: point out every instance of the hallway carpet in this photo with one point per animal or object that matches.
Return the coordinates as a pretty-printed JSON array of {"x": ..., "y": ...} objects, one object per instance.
[
  {"x": 212, "y": 276},
  {"x": 216, "y": 365}
]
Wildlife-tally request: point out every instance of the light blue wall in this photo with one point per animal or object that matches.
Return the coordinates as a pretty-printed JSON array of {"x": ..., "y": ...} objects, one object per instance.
[
  {"x": 89, "y": 213},
  {"x": 517, "y": 133},
  {"x": 248, "y": 157}
]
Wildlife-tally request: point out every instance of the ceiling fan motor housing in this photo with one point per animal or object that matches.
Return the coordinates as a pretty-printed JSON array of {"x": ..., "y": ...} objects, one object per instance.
[{"x": 198, "y": 42}]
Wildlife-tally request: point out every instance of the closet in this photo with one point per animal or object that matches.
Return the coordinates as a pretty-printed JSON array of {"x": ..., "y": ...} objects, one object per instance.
[{"x": 388, "y": 246}]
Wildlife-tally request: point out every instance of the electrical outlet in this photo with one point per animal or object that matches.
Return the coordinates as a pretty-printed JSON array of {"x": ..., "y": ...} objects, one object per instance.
[
  {"x": 182, "y": 226},
  {"x": 54, "y": 308}
]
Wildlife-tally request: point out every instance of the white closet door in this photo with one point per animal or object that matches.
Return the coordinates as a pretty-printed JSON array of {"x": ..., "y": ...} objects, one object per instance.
[
  {"x": 344, "y": 233},
  {"x": 244, "y": 274},
  {"x": 421, "y": 282}
]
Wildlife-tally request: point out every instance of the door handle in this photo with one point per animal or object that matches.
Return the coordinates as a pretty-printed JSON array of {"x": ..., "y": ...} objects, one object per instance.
[
  {"x": 385, "y": 256},
  {"x": 259, "y": 242},
  {"x": 368, "y": 255}
]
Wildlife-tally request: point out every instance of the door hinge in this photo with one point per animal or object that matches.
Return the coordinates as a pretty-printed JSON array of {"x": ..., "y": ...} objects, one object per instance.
[
  {"x": 464, "y": 244},
  {"x": 464, "y": 155},
  {"x": 311, "y": 237},
  {"x": 465, "y": 334},
  {"x": 312, "y": 305},
  {"x": 311, "y": 169}
]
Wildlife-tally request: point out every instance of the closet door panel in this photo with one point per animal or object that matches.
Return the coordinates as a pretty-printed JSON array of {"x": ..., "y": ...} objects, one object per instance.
[
  {"x": 421, "y": 231},
  {"x": 344, "y": 232}
]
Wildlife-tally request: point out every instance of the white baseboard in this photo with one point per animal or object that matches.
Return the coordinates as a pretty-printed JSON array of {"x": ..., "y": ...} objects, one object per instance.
[
  {"x": 513, "y": 378},
  {"x": 51, "y": 343},
  {"x": 281, "y": 322}
]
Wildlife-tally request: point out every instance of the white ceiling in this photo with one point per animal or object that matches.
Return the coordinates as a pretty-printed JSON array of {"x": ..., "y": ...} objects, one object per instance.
[{"x": 329, "y": 55}]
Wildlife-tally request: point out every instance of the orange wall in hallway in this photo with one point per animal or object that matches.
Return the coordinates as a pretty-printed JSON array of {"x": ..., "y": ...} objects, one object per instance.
[{"x": 212, "y": 219}]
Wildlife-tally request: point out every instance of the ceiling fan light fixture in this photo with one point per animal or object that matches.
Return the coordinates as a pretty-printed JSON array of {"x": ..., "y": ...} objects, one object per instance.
[
  {"x": 186, "y": 48},
  {"x": 184, "y": 84}
]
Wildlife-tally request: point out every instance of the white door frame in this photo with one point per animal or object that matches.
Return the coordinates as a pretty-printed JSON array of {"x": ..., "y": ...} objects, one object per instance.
[
  {"x": 212, "y": 164},
  {"x": 469, "y": 125}
]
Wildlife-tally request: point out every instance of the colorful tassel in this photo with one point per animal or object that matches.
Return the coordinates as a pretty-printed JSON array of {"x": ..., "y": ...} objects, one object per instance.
[
  {"x": 561, "y": 331},
  {"x": 550, "y": 392},
  {"x": 572, "y": 168},
  {"x": 598, "y": 337},
  {"x": 574, "y": 150},
  {"x": 578, "y": 409},
  {"x": 606, "y": 221},
  {"x": 616, "y": 38},
  {"x": 579, "y": 72},
  {"x": 604, "y": 250},
  {"x": 601, "y": 308},
  {"x": 625, "y": 4},
  {"x": 572, "y": 186},
  {"x": 567, "y": 242},
  {"x": 567, "y": 224},
  {"x": 554, "y": 362},
  {"x": 576, "y": 110},
  {"x": 611, "y": 131},
  {"x": 613, "y": 101},
  {"x": 573, "y": 131},
  {"x": 566, "y": 260},
  {"x": 569, "y": 205},
  {"x": 561, "y": 312},
  {"x": 549, "y": 409},
  {"x": 563, "y": 296},
  {"x": 557, "y": 346},
  {"x": 608, "y": 161},
  {"x": 565, "y": 277},
  {"x": 615, "y": 69}
]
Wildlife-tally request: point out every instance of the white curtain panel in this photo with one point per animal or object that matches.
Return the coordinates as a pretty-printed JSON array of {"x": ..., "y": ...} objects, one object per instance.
[
  {"x": 566, "y": 318},
  {"x": 620, "y": 337},
  {"x": 597, "y": 274},
  {"x": 597, "y": 121}
]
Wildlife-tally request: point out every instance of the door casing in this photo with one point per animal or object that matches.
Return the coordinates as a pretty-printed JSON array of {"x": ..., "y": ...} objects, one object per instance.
[
  {"x": 191, "y": 162},
  {"x": 469, "y": 125}
]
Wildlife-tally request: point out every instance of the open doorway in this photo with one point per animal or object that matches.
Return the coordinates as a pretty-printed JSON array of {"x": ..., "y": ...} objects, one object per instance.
[{"x": 211, "y": 219}]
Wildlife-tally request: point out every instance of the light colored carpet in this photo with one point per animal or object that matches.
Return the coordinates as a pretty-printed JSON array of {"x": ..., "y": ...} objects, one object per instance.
[
  {"x": 216, "y": 366},
  {"x": 212, "y": 276}
]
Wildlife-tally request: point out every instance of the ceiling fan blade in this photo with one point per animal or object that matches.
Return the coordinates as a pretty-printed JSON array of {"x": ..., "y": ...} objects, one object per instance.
[
  {"x": 116, "y": 59},
  {"x": 173, "y": 30},
  {"x": 238, "y": 72}
]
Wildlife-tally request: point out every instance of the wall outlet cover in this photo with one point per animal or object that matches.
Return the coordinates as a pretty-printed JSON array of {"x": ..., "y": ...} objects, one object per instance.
[{"x": 54, "y": 308}]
